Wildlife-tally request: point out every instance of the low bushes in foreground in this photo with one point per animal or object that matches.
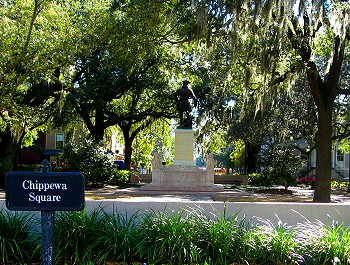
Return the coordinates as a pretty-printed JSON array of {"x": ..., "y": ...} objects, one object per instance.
[{"x": 191, "y": 236}]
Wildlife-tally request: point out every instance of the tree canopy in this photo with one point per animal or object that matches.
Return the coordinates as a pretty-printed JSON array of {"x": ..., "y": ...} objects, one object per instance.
[
  {"x": 282, "y": 40},
  {"x": 31, "y": 54},
  {"x": 120, "y": 62}
]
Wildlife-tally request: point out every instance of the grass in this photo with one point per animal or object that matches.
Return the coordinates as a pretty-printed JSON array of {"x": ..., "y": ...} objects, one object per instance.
[
  {"x": 191, "y": 236},
  {"x": 19, "y": 241}
]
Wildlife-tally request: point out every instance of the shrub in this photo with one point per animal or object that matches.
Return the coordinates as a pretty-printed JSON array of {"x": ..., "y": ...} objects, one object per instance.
[
  {"x": 260, "y": 180},
  {"x": 272, "y": 244},
  {"x": 283, "y": 178},
  {"x": 339, "y": 185},
  {"x": 220, "y": 238},
  {"x": 320, "y": 243},
  {"x": 89, "y": 158},
  {"x": 121, "y": 176},
  {"x": 281, "y": 163},
  {"x": 168, "y": 238}
]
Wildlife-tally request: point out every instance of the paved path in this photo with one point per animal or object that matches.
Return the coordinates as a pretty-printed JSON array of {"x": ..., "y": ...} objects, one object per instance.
[
  {"x": 229, "y": 195},
  {"x": 136, "y": 194},
  {"x": 235, "y": 195}
]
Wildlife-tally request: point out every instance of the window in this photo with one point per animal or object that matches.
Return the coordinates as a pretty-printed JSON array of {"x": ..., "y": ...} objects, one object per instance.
[
  {"x": 340, "y": 155},
  {"x": 59, "y": 140}
]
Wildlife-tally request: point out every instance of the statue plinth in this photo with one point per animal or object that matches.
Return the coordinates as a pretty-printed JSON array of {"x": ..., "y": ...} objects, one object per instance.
[
  {"x": 184, "y": 139},
  {"x": 183, "y": 174}
]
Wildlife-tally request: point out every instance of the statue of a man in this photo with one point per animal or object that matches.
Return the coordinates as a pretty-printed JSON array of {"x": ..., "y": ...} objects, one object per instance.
[{"x": 183, "y": 104}]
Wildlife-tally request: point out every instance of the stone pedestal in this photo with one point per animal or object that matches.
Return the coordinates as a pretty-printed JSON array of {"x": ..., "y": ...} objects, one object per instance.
[
  {"x": 184, "y": 149},
  {"x": 183, "y": 174}
]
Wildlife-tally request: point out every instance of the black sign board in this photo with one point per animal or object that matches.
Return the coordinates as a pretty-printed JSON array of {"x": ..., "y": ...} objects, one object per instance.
[{"x": 49, "y": 191}]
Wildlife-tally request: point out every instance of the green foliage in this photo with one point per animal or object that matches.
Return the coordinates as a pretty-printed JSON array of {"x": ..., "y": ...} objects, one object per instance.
[
  {"x": 17, "y": 244},
  {"x": 119, "y": 237},
  {"x": 168, "y": 239},
  {"x": 121, "y": 176},
  {"x": 283, "y": 178},
  {"x": 223, "y": 158},
  {"x": 76, "y": 239},
  {"x": 340, "y": 185},
  {"x": 25, "y": 167},
  {"x": 89, "y": 158},
  {"x": 221, "y": 237},
  {"x": 121, "y": 74},
  {"x": 281, "y": 163},
  {"x": 237, "y": 155},
  {"x": 158, "y": 138},
  {"x": 324, "y": 243},
  {"x": 260, "y": 180},
  {"x": 272, "y": 244},
  {"x": 190, "y": 236}
]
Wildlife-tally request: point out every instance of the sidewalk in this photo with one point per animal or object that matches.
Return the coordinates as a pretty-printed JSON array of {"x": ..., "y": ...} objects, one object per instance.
[
  {"x": 228, "y": 195},
  {"x": 137, "y": 194}
]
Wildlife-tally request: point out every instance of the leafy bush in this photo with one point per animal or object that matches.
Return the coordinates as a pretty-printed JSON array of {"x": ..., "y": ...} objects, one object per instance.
[
  {"x": 121, "y": 176},
  {"x": 221, "y": 238},
  {"x": 260, "y": 180},
  {"x": 281, "y": 164},
  {"x": 272, "y": 244},
  {"x": 89, "y": 158},
  {"x": 324, "y": 244},
  {"x": 283, "y": 178}
]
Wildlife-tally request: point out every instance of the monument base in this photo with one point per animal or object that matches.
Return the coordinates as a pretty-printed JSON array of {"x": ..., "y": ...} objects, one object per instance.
[
  {"x": 183, "y": 174},
  {"x": 182, "y": 178}
]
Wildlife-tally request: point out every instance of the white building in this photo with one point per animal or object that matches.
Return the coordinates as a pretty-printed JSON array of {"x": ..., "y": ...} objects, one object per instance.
[{"x": 340, "y": 164}]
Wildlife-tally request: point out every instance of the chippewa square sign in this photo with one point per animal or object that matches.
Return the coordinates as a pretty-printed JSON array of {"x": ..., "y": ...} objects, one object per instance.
[{"x": 50, "y": 191}]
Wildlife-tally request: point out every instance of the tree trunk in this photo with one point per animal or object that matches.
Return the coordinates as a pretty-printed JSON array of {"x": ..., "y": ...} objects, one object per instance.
[
  {"x": 252, "y": 157},
  {"x": 128, "y": 153},
  {"x": 128, "y": 145},
  {"x": 323, "y": 155},
  {"x": 8, "y": 154},
  {"x": 324, "y": 94},
  {"x": 99, "y": 128}
]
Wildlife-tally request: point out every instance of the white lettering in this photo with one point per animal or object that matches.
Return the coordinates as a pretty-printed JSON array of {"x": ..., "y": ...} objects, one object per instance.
[
  {"x": 56, "y": 185},
  {"x": 57, "y": 198},
  {"x": 39, "y": 186},
  {"x": 31, "y": 196},
  {"x": 25, "y": 184},
  {"x": 34, "y": 186},
  {"x": 44, "y": 198}
]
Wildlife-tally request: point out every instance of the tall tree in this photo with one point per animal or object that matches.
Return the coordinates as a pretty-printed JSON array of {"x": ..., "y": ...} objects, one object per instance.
[
  {"x": 157, "y": 138},
  {"x": 324, "y": 85},
  {"x": 282, "y": 37},
  {"x": 31, "y": 55},
  {"x": 122, "y": 78}
]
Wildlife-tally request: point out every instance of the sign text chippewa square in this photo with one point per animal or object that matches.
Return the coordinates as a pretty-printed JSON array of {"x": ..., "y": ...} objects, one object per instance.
[{"x": 50, "y": 191}]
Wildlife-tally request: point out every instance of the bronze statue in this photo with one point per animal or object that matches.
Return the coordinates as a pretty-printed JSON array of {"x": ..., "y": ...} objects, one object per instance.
[{"x": 184, "y": 106}]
